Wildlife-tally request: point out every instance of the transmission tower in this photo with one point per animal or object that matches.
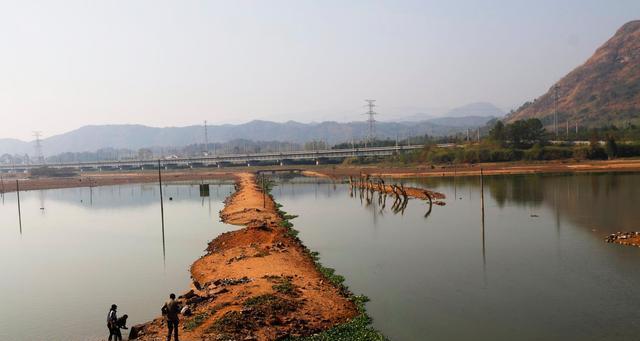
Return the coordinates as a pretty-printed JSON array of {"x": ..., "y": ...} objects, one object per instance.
[
  {"x": 39, "y": 156},
  {"x": 206, "y": 139},
  {"x": 371, "y": 120}
]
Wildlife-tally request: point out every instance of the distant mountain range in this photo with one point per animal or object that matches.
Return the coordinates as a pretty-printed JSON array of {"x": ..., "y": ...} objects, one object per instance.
[
  {"x": 604, "y": 90},
  {"x": 475, "y": 110},
  {"x": 92, "y": 138}
]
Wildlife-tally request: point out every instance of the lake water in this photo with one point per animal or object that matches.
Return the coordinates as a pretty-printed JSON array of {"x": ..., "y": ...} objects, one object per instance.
[
  {"x": 539, "y": 270},
  {"x": 89, "y": 248}
]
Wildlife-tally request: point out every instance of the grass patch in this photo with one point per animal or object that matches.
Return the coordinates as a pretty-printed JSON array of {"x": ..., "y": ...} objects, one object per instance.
[
  {"x": 268, "y": 301},
  {"x": 217, "y": 307},
  {"x": 196, "y": 321},
  {"x": 284, "y": 286},
  {"x": 232, "y": 322},
  {"x": 359, "y": 328}
]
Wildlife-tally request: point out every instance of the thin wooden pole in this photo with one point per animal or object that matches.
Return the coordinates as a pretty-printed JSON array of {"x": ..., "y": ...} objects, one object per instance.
[
  {"x": 19, "y": 211},
  {"x": 482, "y": 192},
  {"x": 484, "y": 259},
  {"x": 161, "y": 210}
]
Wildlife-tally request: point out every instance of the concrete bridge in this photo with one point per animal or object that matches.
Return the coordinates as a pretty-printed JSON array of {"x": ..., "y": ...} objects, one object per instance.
[{"x": 281, "y": 158}]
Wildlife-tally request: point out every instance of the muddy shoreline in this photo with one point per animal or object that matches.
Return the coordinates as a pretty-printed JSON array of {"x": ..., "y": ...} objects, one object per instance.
[
  {"x": 332, "y": 171},
  {"x": 258, "y": 282},
  {"x": 107, "y": 179},
  {"x": 496, "y": 168}
]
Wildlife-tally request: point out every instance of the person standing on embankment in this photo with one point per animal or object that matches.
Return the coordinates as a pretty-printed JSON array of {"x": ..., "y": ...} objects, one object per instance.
[{"x": 170, "y": 310}]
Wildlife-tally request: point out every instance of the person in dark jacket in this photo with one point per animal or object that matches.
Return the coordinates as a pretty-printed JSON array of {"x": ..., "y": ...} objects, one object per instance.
[
  {"x": 170, "y": 310},
  {"x": 112, "y": 324}
]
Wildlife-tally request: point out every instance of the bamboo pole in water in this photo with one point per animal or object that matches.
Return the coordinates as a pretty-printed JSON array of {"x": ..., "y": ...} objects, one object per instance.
[
  {"x": 161, "y": 208},
  {"x": 19, "y": 213},
  {"x": 484, "y": 260},
  {"x": 482, "y": 193}
]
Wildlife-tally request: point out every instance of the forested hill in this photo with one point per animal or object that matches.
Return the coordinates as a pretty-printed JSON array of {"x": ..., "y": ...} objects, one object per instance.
[{"x": 605, "y": 90}]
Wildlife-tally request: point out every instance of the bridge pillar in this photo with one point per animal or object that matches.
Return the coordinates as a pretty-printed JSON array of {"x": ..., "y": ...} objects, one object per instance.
[
  {"x": 317, "y": 162},
  {"x": 218, "y": 165},
  {"x": 248, "y": 164},
  {"x": 281, "y": 163}
]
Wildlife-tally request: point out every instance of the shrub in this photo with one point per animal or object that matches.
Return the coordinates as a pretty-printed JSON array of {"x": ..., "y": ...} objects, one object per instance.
[
  {"x": 556, "y": 153},
  {"x": 628, "y": 150}
]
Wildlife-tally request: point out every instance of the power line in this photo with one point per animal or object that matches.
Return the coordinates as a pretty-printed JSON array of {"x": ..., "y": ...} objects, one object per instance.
[{"x": 371, "y": 120}]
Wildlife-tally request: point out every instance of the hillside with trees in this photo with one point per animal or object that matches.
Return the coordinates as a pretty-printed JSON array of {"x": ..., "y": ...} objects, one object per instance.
[{"x": 605, "y": 90}]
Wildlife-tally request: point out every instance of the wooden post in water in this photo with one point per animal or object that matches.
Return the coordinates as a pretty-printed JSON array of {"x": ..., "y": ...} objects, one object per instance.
[
  {"x": 161, "y": 209},
  {"x": 484, "y": 259},
  {"x": 482, "y": 192},
  {"x": 2, "y": 183},
  {"x": 19, "y": 213}
]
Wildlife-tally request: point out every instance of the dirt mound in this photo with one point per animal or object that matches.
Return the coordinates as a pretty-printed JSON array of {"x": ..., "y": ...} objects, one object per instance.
[{"x": 257, "y": 283}]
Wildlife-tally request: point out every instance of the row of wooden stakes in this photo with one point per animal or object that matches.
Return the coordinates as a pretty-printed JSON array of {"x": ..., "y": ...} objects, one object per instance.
[{"x": 401, "y": 194}]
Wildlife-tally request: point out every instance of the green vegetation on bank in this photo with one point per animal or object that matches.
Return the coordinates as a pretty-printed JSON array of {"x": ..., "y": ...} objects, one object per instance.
[
  {"x": 527, "y": 140},
  {"x": 357, "y": 329}
]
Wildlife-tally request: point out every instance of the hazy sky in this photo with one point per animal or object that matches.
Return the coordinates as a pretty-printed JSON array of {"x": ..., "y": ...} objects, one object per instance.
[{"x": 64, "y": 64}]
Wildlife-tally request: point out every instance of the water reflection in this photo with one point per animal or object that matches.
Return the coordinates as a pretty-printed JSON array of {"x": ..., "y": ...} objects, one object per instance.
[
  {"x": 595, "y": 201},
  {"x": 533, "y": 268},
  {"x": 90, "y": 255}
]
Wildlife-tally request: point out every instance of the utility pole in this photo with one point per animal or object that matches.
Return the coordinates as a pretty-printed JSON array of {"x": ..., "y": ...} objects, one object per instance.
[
  {"x": 39, "y": 156},
  {"x": 555, "y": 115},
  {"x": 371, "y": 120}
]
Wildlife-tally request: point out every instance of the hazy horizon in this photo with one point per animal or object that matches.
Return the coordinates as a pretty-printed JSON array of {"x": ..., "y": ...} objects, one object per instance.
[{"x": 72, "y": 63}]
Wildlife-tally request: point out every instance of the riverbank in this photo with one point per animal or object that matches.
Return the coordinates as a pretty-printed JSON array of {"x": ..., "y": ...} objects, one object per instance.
[
  {"x": 108, "y": 178},
  {"x": 494, "y": 168},
  {"x": 326, "y": 171},
  {"x": 259, "y": 282}
]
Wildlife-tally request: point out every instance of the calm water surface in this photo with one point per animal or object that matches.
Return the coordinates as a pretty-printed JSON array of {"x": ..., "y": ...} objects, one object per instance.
[
  {"x": 89, "y": 248},
  {"x": 540, "y": 270}
]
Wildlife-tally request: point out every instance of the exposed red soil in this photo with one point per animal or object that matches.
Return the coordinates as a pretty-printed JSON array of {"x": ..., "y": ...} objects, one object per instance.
[{"x": 258, "y": 263}]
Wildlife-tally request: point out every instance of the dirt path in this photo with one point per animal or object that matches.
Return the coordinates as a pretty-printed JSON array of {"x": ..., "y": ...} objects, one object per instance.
[{"x": 256, "y": 283}]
